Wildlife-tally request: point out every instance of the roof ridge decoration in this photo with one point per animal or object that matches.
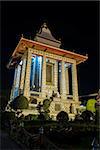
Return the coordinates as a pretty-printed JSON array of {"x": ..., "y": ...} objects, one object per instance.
[{"x": 45, "y": 36}]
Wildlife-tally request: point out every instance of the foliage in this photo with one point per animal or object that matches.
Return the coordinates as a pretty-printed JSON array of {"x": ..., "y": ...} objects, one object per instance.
[
  {"x": 62, "y": 117},
  {"x": 97, "y": 117},
  {"x": 46, "y": 105},
  {"x": 91, "y": 105},
  {"x": 41, "y": 117},
  {"x": 4, "y": 98},
  {"x": 31, "y": 117},
  {"x": 21, "y": 118},
  {"x": 87, "y": 115},
  {"x": 9, "y": 115},
  {"x": 78, "y": 118},
  {"x": 6, "y": 117},
  {"x": 46, "y": 116},
  {"x": 82, "y": 108},
  {"x": 3, "y": 102},
  {"x": 19, "y": 102}
]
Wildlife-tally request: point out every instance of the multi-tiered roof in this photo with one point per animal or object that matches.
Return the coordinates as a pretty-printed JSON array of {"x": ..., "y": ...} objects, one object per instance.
[{"x": 46, "y": 42}]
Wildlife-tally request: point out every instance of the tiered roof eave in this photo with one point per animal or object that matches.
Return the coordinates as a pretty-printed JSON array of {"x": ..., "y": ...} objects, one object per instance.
[{"x": 24, "y": 44}]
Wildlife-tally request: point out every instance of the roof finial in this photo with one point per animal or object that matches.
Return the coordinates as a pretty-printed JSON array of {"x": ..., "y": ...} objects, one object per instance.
[
  {"x": 86, "y": 54},
  {"x": 22, "y": 35},
  {"x": 44, "y": 25}
]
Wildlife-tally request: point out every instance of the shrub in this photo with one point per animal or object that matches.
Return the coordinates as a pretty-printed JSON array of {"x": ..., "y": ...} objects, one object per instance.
[
  {"x": 46, "y": 105},
  {"x": 41, "y": 117},
  {"x": 78, "y": 118},
  {"x": 6, "y": 117},
  {"x": 87, "y": 115},
  {"x": 19, "y": 102},
  {"x": 9, "y": 115},
  {"x": 3, "y": 102},
  {"x": 90, "y": 106},
  {"x": 46, "y": 116},
  {"x": 62, "y": 117},
  {"x": 31, "y": 117}
]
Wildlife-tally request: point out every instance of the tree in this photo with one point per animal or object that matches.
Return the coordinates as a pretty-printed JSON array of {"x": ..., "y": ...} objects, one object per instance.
[
  {"x": 97, "y": 113},
  {"x": 3, "y": 102},
  {"x": 62, "y": 117},
  {"x": 90, "y": 106},
  {"x": 20, "y": 102},
  {"x": 46, "y": 105},
  {"x": 87, "y": 116},
  {"x": 4, "y": 98},
  {"x": 31, "y": 117}
]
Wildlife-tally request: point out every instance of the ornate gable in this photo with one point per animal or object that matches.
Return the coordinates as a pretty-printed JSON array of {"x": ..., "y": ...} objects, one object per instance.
[{"x": 44, "y": 36}]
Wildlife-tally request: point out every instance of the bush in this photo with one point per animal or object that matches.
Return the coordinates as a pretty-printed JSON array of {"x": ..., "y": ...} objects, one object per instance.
[
  {"x": 87, "y": 115},
  {"x": 3, "y": 102},
  {"x": 9, "y": 115},
  {"x": 46, "y": 116},
  {"x": 78, "y": 118},
  {"x": 62, "y": 117},
  {"x": 46, "y": 105},
  {"x": 41, "y": 117},
  {"x": 31, "y": 117},
  {"x": 6, "y": 117},
  {"x": 19, "y": 102},
  {"x": 90, "y": 106}
]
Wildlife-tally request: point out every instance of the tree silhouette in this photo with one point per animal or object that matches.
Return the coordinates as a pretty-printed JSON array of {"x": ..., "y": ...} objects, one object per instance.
[
  {"x": 19, "y": 102},
  {"x": 62, "y": 117},
  {"x": 87, "y": 115},
  {"x": 46, "y": 105},
  {"x": 3, "y": 102}
]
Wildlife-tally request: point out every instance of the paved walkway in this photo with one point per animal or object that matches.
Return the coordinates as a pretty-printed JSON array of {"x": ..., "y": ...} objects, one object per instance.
[{"x": 6, "y": 143}]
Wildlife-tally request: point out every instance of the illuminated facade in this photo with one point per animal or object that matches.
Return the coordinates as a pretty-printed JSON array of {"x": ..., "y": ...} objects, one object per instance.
[{"x": 43, "y": 68}]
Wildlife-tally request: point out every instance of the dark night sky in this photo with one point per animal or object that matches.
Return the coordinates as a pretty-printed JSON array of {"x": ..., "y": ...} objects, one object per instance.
[{"x": 76, "y": 23}]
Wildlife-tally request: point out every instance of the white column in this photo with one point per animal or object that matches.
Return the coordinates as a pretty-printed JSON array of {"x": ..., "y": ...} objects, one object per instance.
[
  {"x": 40, "y": 63},
  {"x": 16, "y": 81},
  {"x": 15, "y": 75},
  {"x": 33, "y": 73},
  {"x": 44, "y": 77},
  {"x": 23, "y": 75},
  {"x": 63, "y": 83},
  {"x": 60, "y": 78},
  {"x": 74, "y": 82},
  {"x": 67, "y": 81},
  {"x": 27, "y": 77},
  {"x": 13, "y": 86},
  {"x": 18, "y": 76},
  {"x": 56, "y": 75}
]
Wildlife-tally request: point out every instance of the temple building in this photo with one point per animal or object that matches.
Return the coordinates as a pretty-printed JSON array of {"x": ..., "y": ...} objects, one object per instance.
[{"x": 42, "y": 68}]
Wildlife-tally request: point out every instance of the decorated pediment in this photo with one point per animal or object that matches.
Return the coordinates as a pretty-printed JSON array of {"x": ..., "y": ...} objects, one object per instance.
[{"x": 45, "y": 36}]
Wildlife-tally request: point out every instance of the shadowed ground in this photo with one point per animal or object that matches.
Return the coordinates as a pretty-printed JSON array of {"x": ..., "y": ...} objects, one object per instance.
[{"x": 7, "y": 143}]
